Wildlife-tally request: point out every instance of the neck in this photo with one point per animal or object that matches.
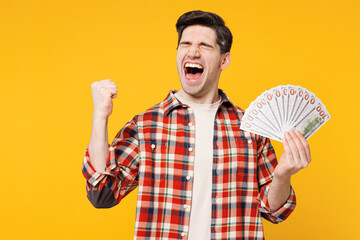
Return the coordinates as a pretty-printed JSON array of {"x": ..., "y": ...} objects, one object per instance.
[{"x": 209, "y": 98}]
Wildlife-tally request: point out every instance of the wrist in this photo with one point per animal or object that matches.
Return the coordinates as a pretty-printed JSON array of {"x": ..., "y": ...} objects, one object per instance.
[
  {"x": 99, "y": 116},
  {"x": 282, "y": 178}
]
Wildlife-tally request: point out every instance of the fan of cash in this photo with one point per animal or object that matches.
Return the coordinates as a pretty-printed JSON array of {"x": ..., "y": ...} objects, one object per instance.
[{"x": 283, "y": 108}]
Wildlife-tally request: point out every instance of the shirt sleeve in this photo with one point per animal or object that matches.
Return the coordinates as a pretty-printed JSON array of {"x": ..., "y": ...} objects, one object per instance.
[
  {"x": 266, "y": 165},
  {"x": 106, "y": 189}
]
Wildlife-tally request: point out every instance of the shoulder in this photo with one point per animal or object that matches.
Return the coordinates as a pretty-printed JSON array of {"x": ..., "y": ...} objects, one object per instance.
[
  {"x": 229, "y": 105},
  {"x": 240, "y": 112},
  {"x": 157, "y": 111}
]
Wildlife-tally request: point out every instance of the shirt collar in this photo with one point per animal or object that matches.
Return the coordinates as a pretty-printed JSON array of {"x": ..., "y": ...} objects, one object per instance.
[{"x": 171, "y": 102}]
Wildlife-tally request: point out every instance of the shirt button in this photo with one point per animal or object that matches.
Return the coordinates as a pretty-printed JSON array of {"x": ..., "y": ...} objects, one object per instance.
[
  {"x": 188, "y": 177},
  {"x": 190, "y": 124},
  {"x": 186, "y": 206},
  {"x": 190, "y": 149},
  {"x": 152, "y": 146},
  {"x": 249, "y": 141},
  {"x": 111, "y": 148},
  {"x": 183, "y": 234}
]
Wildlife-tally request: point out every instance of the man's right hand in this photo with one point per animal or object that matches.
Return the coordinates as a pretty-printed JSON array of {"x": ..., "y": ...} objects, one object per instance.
[{"x": 102, "y": 93}]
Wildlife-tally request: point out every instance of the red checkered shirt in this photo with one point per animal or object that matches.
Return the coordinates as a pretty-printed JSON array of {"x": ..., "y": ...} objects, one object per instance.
[{"x": 155, "y": 151}]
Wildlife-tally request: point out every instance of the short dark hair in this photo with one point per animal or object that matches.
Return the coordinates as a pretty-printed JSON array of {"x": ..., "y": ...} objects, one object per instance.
[{"x": 208, "y": 19}]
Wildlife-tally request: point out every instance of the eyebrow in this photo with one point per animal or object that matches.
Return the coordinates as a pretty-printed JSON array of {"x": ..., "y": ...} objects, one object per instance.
[{"x": 184, "y": 42}]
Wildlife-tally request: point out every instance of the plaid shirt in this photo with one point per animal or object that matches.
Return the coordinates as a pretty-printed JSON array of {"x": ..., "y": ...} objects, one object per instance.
[{"x": 156, "y": 150}]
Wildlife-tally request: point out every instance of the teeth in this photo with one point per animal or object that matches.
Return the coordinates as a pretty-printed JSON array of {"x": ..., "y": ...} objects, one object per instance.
[{"x": 193, "y": 65}]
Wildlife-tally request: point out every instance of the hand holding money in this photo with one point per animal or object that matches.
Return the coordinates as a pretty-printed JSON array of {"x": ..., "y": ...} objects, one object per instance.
[{"x": 296, "y": 155}]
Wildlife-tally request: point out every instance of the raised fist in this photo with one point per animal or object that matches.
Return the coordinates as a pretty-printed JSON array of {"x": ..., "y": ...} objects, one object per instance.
[{"x": 102, "y": 93}]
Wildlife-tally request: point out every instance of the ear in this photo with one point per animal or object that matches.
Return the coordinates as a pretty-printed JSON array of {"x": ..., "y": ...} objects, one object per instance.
[{"x": 226, "y": 61}]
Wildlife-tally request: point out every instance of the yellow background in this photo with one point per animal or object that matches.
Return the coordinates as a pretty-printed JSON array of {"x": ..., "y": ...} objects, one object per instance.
[{"x": 51, "y": 51}]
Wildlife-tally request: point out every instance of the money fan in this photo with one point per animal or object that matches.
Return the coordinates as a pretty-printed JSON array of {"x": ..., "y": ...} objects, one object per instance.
[{"x": 283, "y": 108}]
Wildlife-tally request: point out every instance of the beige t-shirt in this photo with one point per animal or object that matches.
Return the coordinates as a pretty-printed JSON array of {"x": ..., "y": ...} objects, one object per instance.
[{"x": 200, "y": 210}]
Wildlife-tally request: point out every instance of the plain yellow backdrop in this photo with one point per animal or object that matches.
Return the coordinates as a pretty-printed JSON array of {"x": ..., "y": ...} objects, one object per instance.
[{"x": 51, "y": 51}]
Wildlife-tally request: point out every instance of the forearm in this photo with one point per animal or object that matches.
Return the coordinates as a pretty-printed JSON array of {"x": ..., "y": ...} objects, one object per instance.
[
  {"x": 279, "y": 192},
  {"x": 296, "y": 156},
  {"x": 98, "y": 146}
]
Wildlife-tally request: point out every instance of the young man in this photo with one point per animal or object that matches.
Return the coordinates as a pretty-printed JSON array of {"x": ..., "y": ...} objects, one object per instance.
[{"x": 199, "y": 175}]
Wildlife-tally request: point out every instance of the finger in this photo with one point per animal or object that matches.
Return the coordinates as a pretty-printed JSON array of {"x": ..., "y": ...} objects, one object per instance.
[
  {"x": 293, "y": 148},
  {"x": 103, "y": 83},
  {"x": 113, "y": 91},
  {"x": 287, "y": 148},
  {"x": 106, "y": 81},
  {"x": 108, "y": 84},
  {"x": 305, "y": 144},
  {"x": 300, "y": 148},
  {"x": 108, "y": 87},
  {"x": 114, "y": 95},
  {"x": 108, "y": 91}
]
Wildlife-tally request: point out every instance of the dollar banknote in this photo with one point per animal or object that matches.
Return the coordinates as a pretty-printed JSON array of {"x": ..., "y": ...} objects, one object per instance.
[{"x": 283, "y": 108}]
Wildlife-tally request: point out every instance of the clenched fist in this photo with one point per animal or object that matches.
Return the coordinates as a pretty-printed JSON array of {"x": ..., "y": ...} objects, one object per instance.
[{"x": 103, "y": 92}]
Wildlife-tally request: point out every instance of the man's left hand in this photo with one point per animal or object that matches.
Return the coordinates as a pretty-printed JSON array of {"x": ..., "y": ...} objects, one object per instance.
[{"x": 296, "y": 155}]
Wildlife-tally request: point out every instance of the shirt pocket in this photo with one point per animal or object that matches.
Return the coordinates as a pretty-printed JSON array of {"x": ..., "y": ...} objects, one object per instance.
[
  {"x": 153, "y": 168},
  {"x": 246, "y": 169}
]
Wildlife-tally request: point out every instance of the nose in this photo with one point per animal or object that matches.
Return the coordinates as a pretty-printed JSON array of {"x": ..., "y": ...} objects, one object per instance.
[{"x": 194, "y": 52}]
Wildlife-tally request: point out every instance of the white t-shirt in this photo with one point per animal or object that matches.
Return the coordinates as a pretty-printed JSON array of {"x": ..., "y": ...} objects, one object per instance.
[{"x": 200, "y": 212}]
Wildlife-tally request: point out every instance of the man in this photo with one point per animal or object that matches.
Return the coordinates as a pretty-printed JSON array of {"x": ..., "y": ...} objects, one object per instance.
[{"x": 199, "y": 175}]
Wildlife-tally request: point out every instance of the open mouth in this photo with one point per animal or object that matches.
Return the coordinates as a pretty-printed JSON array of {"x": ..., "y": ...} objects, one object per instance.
[{"x": 193, "y": 71}]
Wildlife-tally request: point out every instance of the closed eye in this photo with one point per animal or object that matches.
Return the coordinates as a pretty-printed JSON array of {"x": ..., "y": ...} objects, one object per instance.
[
  {"x": 185, "y": 43},
  {"x": 206, "y": 45}
]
